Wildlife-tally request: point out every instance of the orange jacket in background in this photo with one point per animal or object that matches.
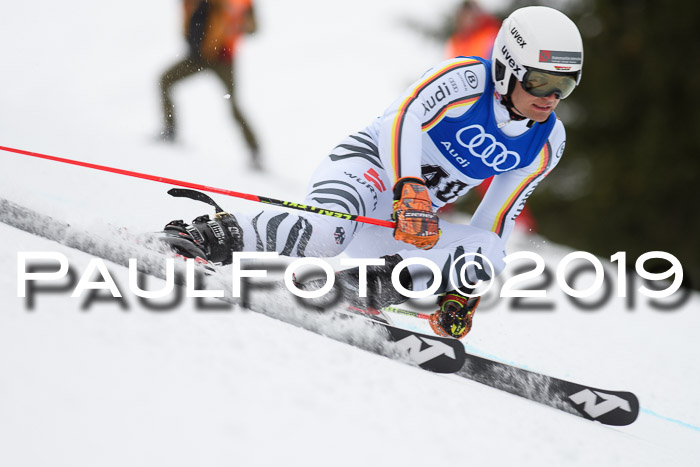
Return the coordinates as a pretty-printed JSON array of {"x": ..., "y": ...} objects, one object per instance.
[
  {"x": 478, "y": 41},
  {"x": 223, "y": 27}
]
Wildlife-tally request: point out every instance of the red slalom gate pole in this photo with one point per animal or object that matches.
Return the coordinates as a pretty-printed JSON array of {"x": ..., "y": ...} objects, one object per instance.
[{"x": 196, "y": 186}]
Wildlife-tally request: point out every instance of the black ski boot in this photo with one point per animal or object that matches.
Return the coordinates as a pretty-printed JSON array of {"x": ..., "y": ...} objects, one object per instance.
[{"x": 209, "y": 239}]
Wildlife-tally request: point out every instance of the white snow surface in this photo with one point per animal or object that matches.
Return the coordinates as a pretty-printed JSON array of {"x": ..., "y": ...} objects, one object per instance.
[{"x": 110, "y": 386}]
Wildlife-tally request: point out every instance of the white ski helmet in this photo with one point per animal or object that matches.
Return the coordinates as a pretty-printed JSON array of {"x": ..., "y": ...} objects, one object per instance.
[{"x": 537, "y": 38}]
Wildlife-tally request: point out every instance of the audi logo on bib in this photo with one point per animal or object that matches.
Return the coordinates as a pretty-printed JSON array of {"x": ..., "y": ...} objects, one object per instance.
[{"x": 483, "y": 145}]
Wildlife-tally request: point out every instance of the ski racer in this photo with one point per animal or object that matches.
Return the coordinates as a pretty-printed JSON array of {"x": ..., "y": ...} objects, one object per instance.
[{"x": 463, "y": 121}]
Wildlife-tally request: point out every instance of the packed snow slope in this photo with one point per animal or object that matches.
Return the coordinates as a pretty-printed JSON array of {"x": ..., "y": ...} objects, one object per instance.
[{"x": 103, "y": 384}]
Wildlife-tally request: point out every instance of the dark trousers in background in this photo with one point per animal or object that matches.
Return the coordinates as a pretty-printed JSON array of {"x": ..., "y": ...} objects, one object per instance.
[{"x": 189, "y": 66}]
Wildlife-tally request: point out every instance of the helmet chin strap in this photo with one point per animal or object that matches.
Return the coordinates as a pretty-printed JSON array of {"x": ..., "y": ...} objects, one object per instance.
[
  {"x": 512, "y": 109},
  {"x": 507, "y": 101}
]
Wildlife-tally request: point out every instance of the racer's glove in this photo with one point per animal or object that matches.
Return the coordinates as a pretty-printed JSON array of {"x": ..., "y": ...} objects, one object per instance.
[
  {"x": 416, "y": 223},
  {"x": 454, "y": 318}
]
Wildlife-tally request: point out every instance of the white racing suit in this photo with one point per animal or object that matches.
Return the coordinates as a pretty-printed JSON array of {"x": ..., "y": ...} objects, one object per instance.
[{"x": 449, "y": 129}]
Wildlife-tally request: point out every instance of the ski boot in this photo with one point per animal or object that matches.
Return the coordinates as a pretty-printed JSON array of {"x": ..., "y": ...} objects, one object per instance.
[
  {"x": 208, "y": 239},
  {"x": 454, "y": 318}
]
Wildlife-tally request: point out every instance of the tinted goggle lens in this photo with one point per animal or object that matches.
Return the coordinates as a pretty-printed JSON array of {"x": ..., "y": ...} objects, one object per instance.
[{"x": 542, "y": 84}]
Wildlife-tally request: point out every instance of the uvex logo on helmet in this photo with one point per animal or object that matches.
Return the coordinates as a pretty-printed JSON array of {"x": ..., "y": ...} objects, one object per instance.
[
  {"x": 511, "y": 62},
  {"x": 518, "y": 38}
]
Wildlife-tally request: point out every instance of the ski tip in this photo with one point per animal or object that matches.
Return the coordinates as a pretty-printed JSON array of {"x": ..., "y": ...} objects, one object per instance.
[{"x": 617, "y": 408}]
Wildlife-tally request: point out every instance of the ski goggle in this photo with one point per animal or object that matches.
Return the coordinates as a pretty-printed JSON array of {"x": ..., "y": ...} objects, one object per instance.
[{"x": 542, "y": 84}]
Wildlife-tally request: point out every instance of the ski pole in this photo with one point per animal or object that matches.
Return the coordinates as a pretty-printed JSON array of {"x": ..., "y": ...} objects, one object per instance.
[
  {"x": 221, "y": 191},
  {"x": 401, "y": 311},
  {"x": 390, "y": 309}
]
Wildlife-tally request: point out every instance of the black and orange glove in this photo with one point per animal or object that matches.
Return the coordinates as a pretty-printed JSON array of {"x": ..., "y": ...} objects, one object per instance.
[
  {"x": 416, "y": 223},
  {"x": 454, "y": 318}
]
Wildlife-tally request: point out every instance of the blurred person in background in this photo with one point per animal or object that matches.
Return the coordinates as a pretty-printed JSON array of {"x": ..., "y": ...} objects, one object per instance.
[
  {"x": 474, "y": 32},
  {"x": 213, "y": 29}
]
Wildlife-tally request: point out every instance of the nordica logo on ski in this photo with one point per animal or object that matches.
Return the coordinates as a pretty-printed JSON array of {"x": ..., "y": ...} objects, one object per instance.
[
  {"x": 421, "y": 349},
  {"x": 438, "y": 354},
  {"x": 595, "y": 404}
]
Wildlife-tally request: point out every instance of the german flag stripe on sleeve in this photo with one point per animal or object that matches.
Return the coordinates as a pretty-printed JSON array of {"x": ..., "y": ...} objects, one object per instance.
[
  {"x": 397, "y": 125},
  {"x": 499, "y": 223},
  {"x": 464, "y": 102}
]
